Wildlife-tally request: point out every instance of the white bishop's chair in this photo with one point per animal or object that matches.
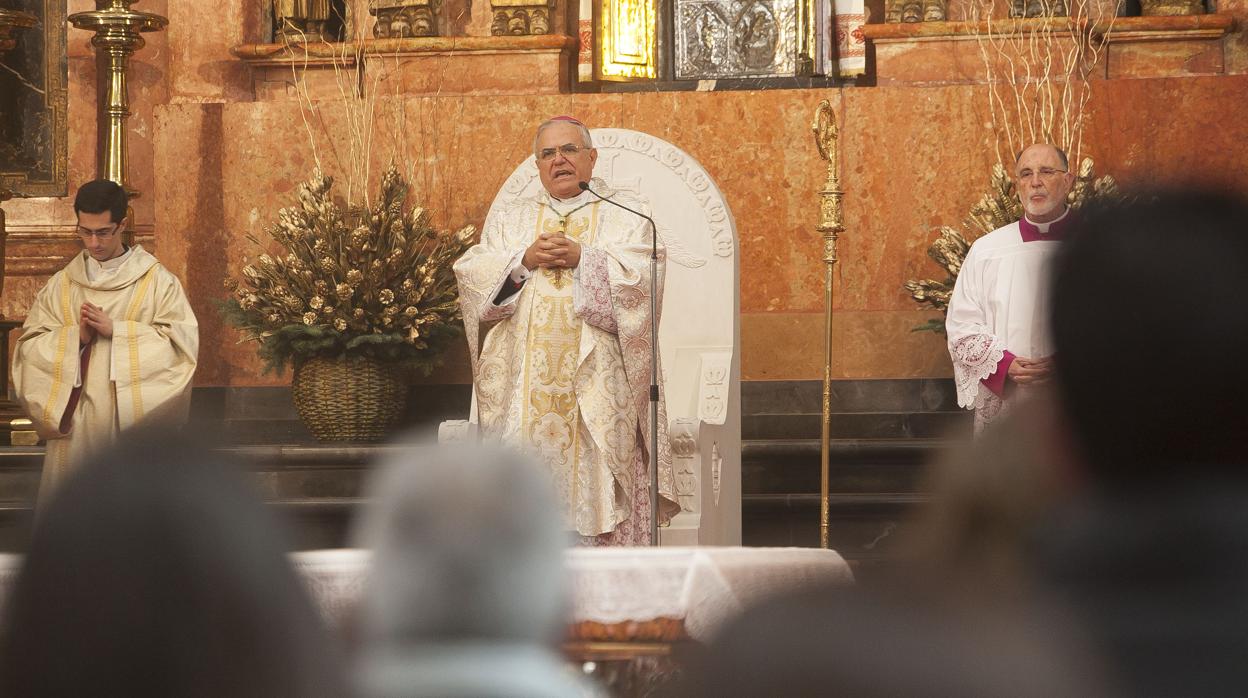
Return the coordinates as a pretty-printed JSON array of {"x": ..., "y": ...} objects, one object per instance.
[{"x": 699, "y": 333}]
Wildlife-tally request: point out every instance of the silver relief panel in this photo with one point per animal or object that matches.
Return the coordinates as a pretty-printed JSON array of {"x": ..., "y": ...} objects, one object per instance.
[{"x": 735, "y": 38}]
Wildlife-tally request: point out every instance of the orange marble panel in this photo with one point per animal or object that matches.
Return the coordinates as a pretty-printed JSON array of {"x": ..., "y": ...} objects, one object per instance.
[
  {"x": 450, "y": 73},
  {"x": 913, "y": 159},
  {"x": 951, "y": 53},
  {"x": 201, "y": 67},
  {"x": 19, "y": 292},
  {"x": 1172, "y": 132},
  {"x": 278, "y": 83},
  {"x": 1148, "y": 59},
  {"x": 789, "y": 346},
  {"x": 923, "y": 165},
  {"x": 758, "y": 148},
  {"x": 194, "y": 238},
  {"x": 955, "y": 60},
  {"x": 526, "y": 65}
]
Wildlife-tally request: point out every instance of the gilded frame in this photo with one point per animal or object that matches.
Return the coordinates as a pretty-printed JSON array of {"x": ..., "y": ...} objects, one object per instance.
[
  {"x": 626, "y": 40},
  {"x": 34, "y": 154}
]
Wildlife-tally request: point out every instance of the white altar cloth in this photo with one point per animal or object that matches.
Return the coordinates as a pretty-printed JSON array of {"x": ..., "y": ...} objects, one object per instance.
[{"x": 702, "y": 586}]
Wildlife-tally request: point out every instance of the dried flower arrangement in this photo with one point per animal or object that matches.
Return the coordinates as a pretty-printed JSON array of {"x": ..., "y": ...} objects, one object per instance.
[{"x": 354, "y": 281}]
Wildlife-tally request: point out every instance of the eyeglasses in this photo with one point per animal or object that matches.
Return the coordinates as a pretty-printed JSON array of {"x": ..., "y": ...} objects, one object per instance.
[
  {"x": 102, "y": 233},
  {"x": 1044, "y": 172},
  {"x": 567, "y": 150}
]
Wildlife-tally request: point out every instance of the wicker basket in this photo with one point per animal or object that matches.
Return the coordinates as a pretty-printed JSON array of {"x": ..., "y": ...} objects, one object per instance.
[{"x": 349, "y": 399}]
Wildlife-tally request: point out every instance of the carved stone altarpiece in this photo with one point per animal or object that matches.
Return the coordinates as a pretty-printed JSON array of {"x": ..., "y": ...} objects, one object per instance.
[
  {"x": 401, "y": 19},
  {"x": 915, "y": 11},
  {"x": 520, "y": 17}
]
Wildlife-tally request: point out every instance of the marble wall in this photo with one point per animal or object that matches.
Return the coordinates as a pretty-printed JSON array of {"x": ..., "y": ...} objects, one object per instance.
[{"x": 215, "y": 164}]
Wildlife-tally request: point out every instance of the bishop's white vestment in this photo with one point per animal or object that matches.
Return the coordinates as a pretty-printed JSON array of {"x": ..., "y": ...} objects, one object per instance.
[
  {"x": 999, "y": 310},
  {"x": 81, "y": 397},
  {"x": 564, "y": 368}
]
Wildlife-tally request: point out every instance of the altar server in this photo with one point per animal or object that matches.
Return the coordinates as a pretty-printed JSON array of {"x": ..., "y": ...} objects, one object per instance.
[{"x": 109, "y": 342}]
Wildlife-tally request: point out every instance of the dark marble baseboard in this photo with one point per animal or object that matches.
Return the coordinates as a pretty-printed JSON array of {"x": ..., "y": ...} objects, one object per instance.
[
  {"x": 849, "y": 396},
  {"x": 863, "y": 409},
  {"x": 424, "y": 402}
]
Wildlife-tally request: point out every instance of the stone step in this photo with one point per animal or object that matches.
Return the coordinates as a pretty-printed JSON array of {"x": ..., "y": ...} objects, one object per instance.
[
  {"x": 848, "y": 396},
  {"x": 861, "y": 527},
  {"x": 924, "y": 408},
  {"x": 857, "y": 425},
  {"x": 20, "y": 468},
  {"x": 264, "y": 431},
  {"x": 312, "y": 523},
  {"x": 778, "y": 467},
  {"x": 318, "y": 488},
  {"x": 855, "y": 466},
  {"x": 295, "y": 472}
]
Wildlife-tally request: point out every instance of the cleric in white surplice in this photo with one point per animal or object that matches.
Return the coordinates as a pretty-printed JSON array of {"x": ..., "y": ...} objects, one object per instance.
[{"x": 997, "y": 324}]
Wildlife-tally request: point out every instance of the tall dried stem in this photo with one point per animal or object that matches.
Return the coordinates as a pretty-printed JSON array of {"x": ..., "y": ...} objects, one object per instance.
[{"x": 1037, "y": 73}]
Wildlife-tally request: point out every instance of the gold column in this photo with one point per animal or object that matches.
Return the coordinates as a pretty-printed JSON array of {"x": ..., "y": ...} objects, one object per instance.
[
  {"x": 831, "y": 223},
  {"x": 624, "y": 37},
  {"x": 807, "y": 37},
  {"x": 117, "y": 29}
]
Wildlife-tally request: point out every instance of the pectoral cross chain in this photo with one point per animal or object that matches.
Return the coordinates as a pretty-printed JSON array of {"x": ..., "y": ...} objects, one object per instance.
[{"x": 567, "y": 227}]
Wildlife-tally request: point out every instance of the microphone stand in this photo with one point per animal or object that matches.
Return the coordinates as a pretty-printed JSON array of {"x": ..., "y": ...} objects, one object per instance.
[{"x": 654, "y": 362}]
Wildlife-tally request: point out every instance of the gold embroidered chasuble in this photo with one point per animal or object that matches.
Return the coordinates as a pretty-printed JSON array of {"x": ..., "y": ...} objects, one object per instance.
[
  {"x": 142, "y": 372},
  {"x": 564, "y": 368}
]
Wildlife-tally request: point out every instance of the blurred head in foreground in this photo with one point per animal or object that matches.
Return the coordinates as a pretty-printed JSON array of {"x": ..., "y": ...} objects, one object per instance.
[
  {"x": 1151, "y": 337},
  {"x": 467, "y": 589},
  {"x": 155, "y": 572},
  {"x": 890, "y": 642}
]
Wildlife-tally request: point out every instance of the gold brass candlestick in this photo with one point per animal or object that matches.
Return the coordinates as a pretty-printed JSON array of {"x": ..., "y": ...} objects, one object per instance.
[
  {"x": 831, "y": 223},
  {"x": 5, "y": 195},
  {"x": 807, "y": 31},
  {"x": 117, "y": 30}
]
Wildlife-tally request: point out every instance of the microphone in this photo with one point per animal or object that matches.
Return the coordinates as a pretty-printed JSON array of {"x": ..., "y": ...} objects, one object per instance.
[
  {"x": 654, "y": 361},
  {"x": 654, "y": 248}
]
